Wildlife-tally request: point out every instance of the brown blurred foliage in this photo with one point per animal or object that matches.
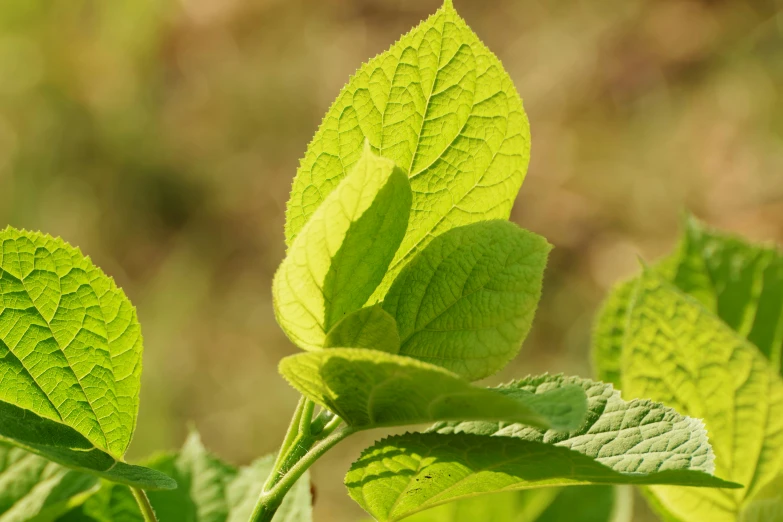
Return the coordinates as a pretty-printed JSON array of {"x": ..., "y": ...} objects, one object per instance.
[{"x": 161, "y": 136}]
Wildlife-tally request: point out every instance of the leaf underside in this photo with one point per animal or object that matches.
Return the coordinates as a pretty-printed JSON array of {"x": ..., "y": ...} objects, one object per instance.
[
  {"x": 440, "y": 105},
  {"x": 370, "y": 389},
  {"x": 70, "y": 359},
  {"x": 636, "y": 442}
]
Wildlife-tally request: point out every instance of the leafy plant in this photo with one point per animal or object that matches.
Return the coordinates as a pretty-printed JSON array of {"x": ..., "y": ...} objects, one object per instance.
[
  {"x": 702, "y": 331},
  {"x": 403, "y": 283}
]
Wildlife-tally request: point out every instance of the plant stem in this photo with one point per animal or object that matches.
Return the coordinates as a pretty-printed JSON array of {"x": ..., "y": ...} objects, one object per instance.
[
  {"x": 270, "y": 499},
  {"x": 144, "y": 505}
]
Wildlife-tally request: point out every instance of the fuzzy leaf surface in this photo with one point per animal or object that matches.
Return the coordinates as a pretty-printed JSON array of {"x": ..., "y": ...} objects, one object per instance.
[
  {"x": 440, "y": 105},
  {"x": 371, "y": 327},
  {"x": 370, "y": 389},
  {"x": 636, "y": 442},
  {"x": 32, "y": 487},
  {"x": 466, "y": 301},
  {"x": 679, "y": 353},
  {"x": 70, "y": 359},
  {"x": 341, "y": 255}
]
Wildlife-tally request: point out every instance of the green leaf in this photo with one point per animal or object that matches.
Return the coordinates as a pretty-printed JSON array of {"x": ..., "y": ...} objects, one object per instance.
[
  {"x": 679, "y": 353},
  {"x": 575, "y": 504},
  {"x": 338, "y": 259},
  {"x": 767, "y": 505},
  {"x": 636, "y": 442},
  {"x": 70, "y": 359},
  {"x": 740, "y": 283},
  {"x": 466, "y": 302},
  {"x": 370, "y": 389},
  {"x": 32, "y": 487},
  {"x": 370, "y": 327},
  {"x": 210, "y": 491},
  {"x": 440, "y": 105}
]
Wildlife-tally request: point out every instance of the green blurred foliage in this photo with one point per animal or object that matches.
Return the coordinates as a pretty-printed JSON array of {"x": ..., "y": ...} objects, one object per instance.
[{"x": 161, "y": 136}]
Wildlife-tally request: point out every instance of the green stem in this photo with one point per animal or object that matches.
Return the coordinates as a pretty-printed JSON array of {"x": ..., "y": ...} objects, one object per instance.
[
  {"x": 270, "y": 500},
  {"x": 144, "y": 505},
  {"x": 288, "y": 441}
]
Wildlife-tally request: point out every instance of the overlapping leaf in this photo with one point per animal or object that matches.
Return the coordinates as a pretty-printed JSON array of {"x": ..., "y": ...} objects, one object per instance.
[
  {"x": 369, "y": 389},
  {"x": 371, "y": 327},
  {"x": 70, "y": 359},
  {"x": 343, "y": 252},
  {"x": 466, "y": 301},
  {"x": 210, "y": 491},
  {"x": 677, "y": 352},
  {"x": 440, "y": 105},
  {"x": 32, "y": 487},
  {"x": 636, "y": 442}
]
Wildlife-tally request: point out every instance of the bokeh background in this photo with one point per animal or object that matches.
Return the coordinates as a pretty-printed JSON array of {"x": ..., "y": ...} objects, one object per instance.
[{"x": 161, "y": 136}]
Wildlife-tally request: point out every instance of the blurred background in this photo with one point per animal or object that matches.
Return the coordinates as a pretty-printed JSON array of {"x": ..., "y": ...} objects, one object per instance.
[{"x": 162, "y": 136}]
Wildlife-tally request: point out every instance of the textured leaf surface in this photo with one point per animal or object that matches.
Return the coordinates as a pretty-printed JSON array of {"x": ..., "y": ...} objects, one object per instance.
[
  {"x": 371, "y": 327},
  {"x": 343, "y": 252},
  {"x": 679, "y": 353},
  {"x": 739, "y": 282},
  {"x": 636, "y": 442},
  {"x": 31, "y": 486},
  {"x": 466, "y": 301},
  {"x": 210, "y": 491},
  {"x": 368, "y": 389},
  {"x": 70, "y": 358},
  {"x": 440, "y": 105}
]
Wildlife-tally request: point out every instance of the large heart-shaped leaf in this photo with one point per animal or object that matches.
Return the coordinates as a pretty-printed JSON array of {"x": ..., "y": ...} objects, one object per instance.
[
  {"x": 70, "y": 359},
  {"x": 636, "y": 442},
  {"x": 678, "y": 352},
  {"x": 440, "y": 105},
  {"x": 467, "y": 300},
  {"x": 370, "y": 389},
  {"x": 341, "y": 255}
]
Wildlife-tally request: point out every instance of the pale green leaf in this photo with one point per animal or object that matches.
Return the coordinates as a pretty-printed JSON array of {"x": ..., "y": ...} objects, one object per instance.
[
  {"x": 739, "y": 282},
  {"x": 209, "y": 491},
  {"x": 369, "y": 389},
  {"x": 32, "y": 487},
  {"x": 70, "y": 359},
  {"x": 341, "y": 255},
  {"x": 767, "y": 505},
  {"x": 440, "y": 105},
  {"x": 679, "y": 353},
  {"x": 636, "y": 442},
  {"x": 370, "y": 327},
  {"x": 466, "y": 301}
]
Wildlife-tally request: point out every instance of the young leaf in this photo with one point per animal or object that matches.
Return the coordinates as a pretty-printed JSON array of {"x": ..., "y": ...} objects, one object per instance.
[
  {"x": 370, "y": 327},
  {"x": 370, "y": 389},
  {"x": 636, "y": 442},
  {"x": 679, "y": 353},
  {"x": 339, "y": 258},
  {"x": 32, "y": 488},
  {"x": 70, "y": 359},
  {"x": 466, "y": 301},
  {"x": 440, "y": 105},
  {"x": 210, "y": 491}
]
